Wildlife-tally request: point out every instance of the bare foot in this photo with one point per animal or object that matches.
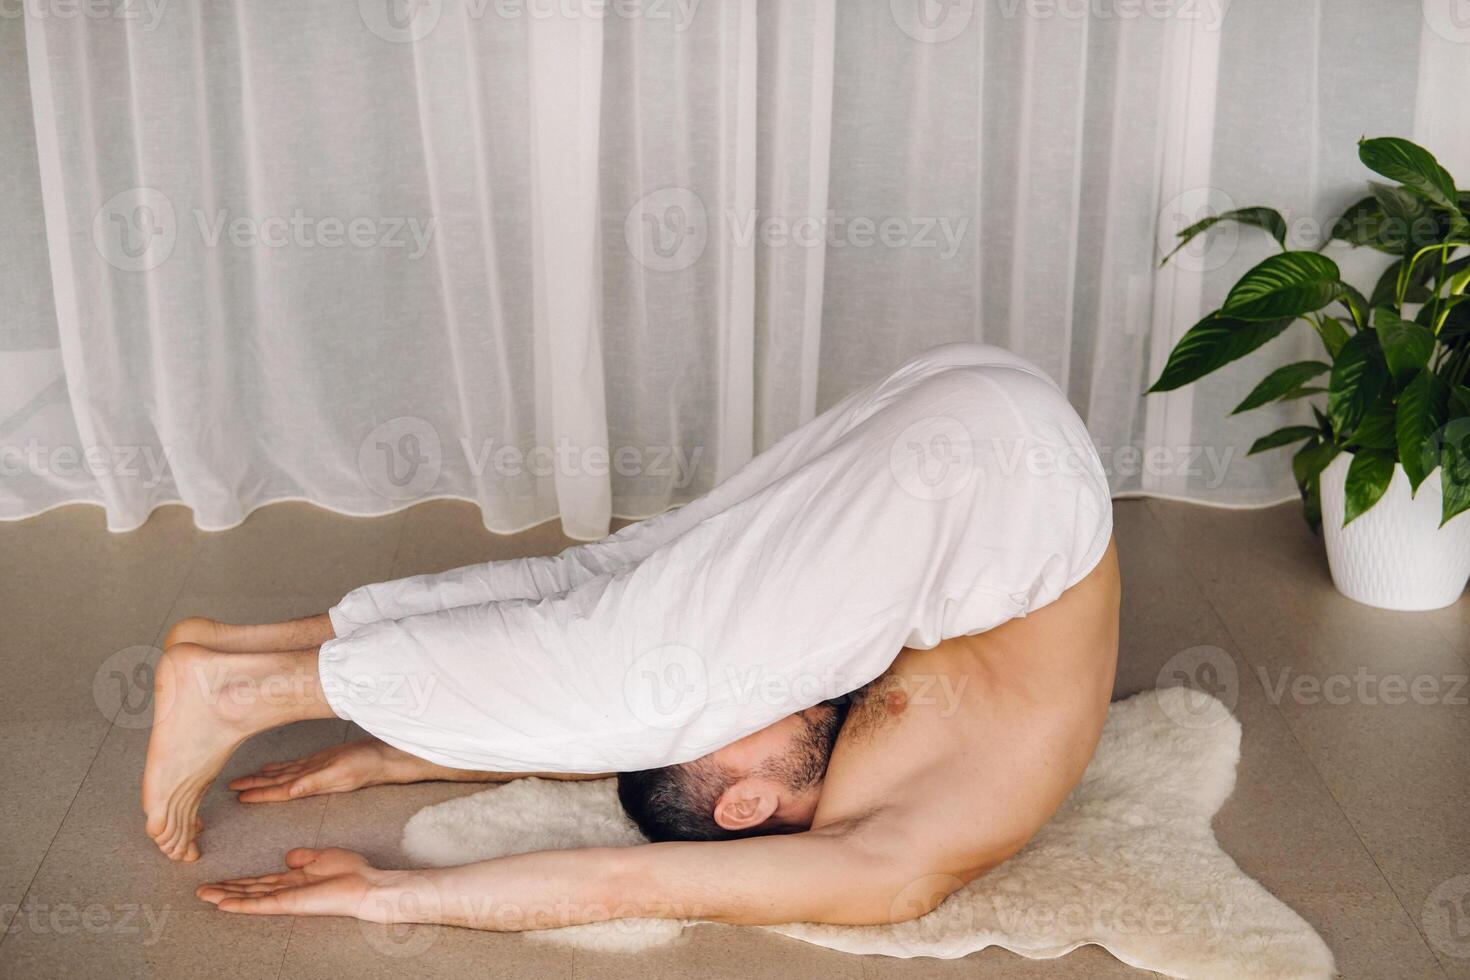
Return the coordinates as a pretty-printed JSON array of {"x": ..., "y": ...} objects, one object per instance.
[
  {"x": 205, "y": 704},
  {"x": 338, "y": 769}
]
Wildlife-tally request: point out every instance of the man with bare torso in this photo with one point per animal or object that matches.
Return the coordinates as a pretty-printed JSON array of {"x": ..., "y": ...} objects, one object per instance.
[{"x": 975, "y": 614}]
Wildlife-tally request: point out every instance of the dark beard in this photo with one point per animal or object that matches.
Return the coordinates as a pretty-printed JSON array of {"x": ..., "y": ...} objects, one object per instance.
[{"x": 805, "y": 764}]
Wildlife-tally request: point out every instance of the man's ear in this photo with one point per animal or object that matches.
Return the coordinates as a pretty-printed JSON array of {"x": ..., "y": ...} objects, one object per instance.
[{"x": 746, "y": 804}]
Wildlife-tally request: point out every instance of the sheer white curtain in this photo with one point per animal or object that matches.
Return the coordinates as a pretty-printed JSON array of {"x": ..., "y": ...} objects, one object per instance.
[{"x": 570, "y": 258}]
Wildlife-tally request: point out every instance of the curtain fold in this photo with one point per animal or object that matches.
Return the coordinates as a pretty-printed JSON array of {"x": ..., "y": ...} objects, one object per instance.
[{"x": 578, "y": 259}]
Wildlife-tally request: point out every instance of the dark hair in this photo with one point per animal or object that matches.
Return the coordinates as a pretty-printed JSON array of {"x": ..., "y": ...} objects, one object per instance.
[{"x": 677, "y": 802}]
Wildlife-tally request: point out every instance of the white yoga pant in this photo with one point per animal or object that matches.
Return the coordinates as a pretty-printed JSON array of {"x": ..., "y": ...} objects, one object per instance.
[{"x": 957, "y": 493}]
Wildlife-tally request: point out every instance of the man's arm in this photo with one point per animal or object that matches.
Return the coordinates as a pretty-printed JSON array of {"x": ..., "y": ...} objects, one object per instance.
[
  {"x": 836, "y": 875},
  {"x": 814, "y": 876}
]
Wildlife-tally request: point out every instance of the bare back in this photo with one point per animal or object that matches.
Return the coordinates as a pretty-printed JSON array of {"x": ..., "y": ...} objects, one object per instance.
[{"x": 964, "y": 751}]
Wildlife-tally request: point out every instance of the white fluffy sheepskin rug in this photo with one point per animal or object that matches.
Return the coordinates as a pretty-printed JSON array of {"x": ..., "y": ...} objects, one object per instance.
[{"x": 1129, "y": 862}]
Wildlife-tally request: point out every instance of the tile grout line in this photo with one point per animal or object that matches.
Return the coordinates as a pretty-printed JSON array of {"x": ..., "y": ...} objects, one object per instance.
[
  {"x": 1290, "y": 730},
  {"x": 285, "y": 948},
  {"x": 316, "y": 841},
  {"x": 1454, "y": 645},
  {"x": 21, "y": 902},
  {"x": 111, "y": 725}
]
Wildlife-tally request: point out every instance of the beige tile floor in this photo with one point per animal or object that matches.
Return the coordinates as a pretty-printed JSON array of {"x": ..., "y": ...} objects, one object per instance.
[{"x": 1351, "y": 802}]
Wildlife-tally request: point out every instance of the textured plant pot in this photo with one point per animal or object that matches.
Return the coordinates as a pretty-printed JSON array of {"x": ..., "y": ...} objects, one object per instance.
[{"x": 1395, "y": 555}]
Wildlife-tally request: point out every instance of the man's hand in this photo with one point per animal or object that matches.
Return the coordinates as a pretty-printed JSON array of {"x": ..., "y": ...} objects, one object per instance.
[
  {"x": 338, "y": 769},
  {"x": 327, "y": 882},
  {"x": 365, "y": 762}
]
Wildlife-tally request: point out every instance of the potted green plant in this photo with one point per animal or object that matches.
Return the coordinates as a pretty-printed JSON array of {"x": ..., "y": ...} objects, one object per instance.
[{"x": 1386, "y": 462}]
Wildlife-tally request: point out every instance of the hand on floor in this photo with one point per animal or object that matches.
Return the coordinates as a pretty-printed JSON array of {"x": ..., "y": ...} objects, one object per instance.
[
  {"x": 338, "y": 769},
  {"x": 333, "y": 881}
]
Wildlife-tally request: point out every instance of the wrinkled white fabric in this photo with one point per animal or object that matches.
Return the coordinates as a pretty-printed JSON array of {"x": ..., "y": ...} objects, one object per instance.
[{"x": 957, "y": 493}]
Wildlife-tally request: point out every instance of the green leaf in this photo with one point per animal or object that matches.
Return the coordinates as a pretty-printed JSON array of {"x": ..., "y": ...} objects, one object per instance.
[
  {"x": 1423, "y": 405},
  {"x": 1311, "y": 460},
  {"x": 1454, "y": 474},
  {"x": 1365, "y": 224},
  {"x": 1284, "y": 285},
  {"x": 1406, "y": 345},
  {"x": 1359, "y": 376},
  {"x": 1460, "y": 401},
  {"x": 1456, "y": 282},
  {"x": 1356, "y": 303},
  {"x": 1332, "y": 332},
  {"x": 1367, "y": 479},
  {"x": 1305, "y": 391},
  {"x": 1408, "y": 223},
  {"x": 1307, "y": 465},
  {"x": 1267, "y": 219},
  {"x": 1312, "y": 505},
  {"x": 1455, "y": 325},
  {"x": 1376, "y": 430},
  {"x": 1282, "y": 437},
  {"x": 1385, "y": 291},
  {"x": 1435, "y": 312},
  {"x": 1418, "y": 269},
  {"x": 1213, "y": 342},
  {"x": 1413, "y": 166},
  {"x": 1281, "y": 381}
]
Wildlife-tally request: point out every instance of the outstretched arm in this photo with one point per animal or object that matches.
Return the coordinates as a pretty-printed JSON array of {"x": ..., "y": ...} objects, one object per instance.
[{"x": 832, "y": 875}]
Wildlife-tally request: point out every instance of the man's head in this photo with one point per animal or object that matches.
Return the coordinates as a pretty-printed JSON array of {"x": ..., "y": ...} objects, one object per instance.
[{"x": 766, "y": 783}]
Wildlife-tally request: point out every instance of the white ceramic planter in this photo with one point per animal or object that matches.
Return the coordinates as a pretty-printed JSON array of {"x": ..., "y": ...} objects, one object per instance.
[{"x": 1395, "y": 556}]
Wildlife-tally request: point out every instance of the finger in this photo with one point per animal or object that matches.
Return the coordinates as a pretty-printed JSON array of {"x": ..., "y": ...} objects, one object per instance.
[
  {"x": 217, "y": 891},
  {"x": 266, "y": 794},
  {"x": 254, "y": 905},
  {"x": 288, "y": 764},
  {"x": 243, "y": 891},
  {"x": 300, "y": 857},
  {"x": 275, "y": 880},
  {"x": 210, "y": 893},
  {"x": 307, "y": 785},
  {"x": 255, "y": 780},
  {"x": 272, "y": 880},
  {"x": 214, "y": 891}
]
